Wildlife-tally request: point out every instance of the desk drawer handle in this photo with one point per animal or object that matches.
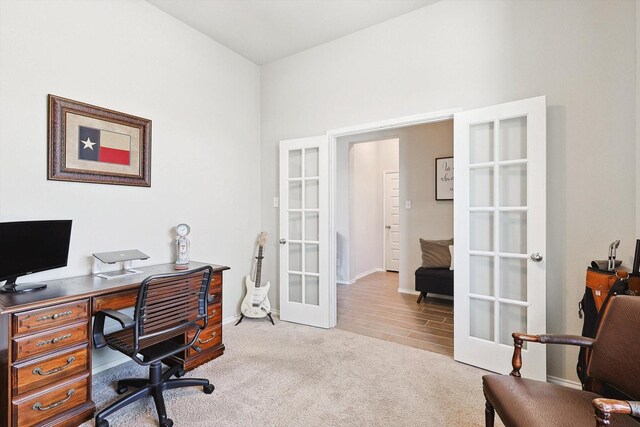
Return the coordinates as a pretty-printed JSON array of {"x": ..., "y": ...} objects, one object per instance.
[
  {"x": 53, "y": 341},
  {"x": 209, "y": 340},
  {"x": 38, "y": 406},
  {"x": 213, "y": 313},
  {"x": 38, "y": 370},
  {"x": 54, "y": 316}
]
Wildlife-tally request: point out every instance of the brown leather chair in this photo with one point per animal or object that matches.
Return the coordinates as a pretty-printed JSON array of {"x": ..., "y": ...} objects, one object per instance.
[
  {"x": 614, "y": 367},
  {"x": 169, "y": 308}
]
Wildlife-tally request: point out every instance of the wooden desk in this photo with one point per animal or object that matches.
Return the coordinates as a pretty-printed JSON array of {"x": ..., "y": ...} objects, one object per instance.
[{"x": 45, "y": 344}]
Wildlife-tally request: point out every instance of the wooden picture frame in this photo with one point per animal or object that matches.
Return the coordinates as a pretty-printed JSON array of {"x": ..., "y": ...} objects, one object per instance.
[
  {"x": 444, "y": 178},
  {"x": 97, "y": 145}
]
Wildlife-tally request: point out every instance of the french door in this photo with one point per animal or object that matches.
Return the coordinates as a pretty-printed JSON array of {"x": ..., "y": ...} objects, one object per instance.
[
  {"x": 500, "y": 234},
  {"x": 304, "y": 231}
]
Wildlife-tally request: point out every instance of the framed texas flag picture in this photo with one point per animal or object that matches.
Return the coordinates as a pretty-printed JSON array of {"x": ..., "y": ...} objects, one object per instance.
[{"x": 93, "y": 144}]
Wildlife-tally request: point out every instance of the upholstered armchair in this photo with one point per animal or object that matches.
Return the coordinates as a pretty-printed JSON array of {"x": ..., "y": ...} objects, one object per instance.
[{"x": 614, "y": 367}]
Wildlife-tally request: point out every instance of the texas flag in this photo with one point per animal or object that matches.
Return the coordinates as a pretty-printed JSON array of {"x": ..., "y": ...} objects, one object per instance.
[{"x": 104, "y": 146}]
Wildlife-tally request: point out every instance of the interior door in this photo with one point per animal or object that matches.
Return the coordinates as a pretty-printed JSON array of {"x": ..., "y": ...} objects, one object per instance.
[
  {"x": 500, "y": 234},
  {"x": 304, "y": 231},
  {"x": 391, "y": 220}
]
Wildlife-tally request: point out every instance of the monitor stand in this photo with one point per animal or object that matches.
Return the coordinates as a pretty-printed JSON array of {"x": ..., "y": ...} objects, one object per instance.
[{"x": 10, "y": 287}]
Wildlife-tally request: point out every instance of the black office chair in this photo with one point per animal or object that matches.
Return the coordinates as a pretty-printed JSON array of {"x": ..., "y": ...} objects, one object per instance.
[{"x": 168, "y": 307}]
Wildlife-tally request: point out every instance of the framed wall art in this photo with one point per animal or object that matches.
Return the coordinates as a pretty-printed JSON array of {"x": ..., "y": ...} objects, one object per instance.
[
  {"x": 444, "y": 178},
  {"x": 93, "y": 144}
]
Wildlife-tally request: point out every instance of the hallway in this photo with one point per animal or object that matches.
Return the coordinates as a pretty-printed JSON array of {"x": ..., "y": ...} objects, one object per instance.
[{"x": 373, "y": 306}]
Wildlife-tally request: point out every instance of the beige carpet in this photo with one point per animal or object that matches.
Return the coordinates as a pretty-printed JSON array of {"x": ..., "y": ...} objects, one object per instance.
[{"x": 291, "y": 375}]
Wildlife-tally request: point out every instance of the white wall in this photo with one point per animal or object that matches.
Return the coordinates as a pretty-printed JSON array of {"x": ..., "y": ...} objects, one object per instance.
[
  {"x": 203, "y": 99},
  {"x": 364, "y": 219},
  {"x": 368, "y": 161},
  {"x": 468, "y": 54}
]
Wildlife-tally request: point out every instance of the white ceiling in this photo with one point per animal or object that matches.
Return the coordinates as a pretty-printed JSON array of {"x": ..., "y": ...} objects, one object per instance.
[{"x": 267, "y": 30}]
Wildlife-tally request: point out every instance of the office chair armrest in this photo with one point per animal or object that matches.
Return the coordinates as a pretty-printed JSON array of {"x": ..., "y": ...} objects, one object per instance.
[
  {"x": 124, "y": 320},
  {"x": 519, "y": 338},
  {"x": 98, "y": 325},
  {"x": 605, "y": 407}
]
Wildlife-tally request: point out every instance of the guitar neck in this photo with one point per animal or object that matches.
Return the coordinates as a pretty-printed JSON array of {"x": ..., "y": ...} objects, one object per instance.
[{"x": 259, "y": 266}]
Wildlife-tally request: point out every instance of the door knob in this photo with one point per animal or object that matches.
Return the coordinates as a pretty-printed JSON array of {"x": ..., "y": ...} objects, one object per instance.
[
  {"x": 388, "y": 227},
  {"x": 283, "y": 241},
  {"x": 536, "y": 257}
]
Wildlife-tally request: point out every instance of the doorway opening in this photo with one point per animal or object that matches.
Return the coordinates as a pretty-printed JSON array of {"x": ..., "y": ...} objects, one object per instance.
[{"x": 385, "y": 202}]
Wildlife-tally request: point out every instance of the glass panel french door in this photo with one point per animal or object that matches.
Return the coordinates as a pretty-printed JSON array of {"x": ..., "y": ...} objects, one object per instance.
[
  {"x": 500, "y": 234},
  {"x": 304, "y": 231}
]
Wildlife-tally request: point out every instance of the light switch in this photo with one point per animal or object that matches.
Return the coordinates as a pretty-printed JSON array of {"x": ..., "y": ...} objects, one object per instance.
[
  {"x": 276, "y": 202},
  {"x": 407, "y": 204}
]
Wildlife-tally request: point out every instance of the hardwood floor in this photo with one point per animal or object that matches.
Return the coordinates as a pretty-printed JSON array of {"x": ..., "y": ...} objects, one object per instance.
[{"x": 373, "y": 306}]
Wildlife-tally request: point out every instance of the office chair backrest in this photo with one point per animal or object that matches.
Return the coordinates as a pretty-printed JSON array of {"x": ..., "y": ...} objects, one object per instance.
[
  {"x": 616, "y": 352},
  {"x": 171, "y": 304}
]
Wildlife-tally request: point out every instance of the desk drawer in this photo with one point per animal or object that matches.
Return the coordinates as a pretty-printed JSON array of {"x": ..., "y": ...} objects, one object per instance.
[
  {"x": 49, "y": 341},
  {"x": 49, "y": 369},
  {"x": 215, "y": 297},
  {"x": 215, "y": 314},
  {"x": 116, "y": 301},
  {"x": 38, "y": 407},
  {"x": 216, "y": 280},
  {"x": 50, "y": 317},
  {"x": 209, "y": 338}
]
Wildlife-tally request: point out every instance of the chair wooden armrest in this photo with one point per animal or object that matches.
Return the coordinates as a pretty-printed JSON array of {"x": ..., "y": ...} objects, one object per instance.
[
  {"x": 519, "y": 338},
  {"x": 605, "y": 407}
]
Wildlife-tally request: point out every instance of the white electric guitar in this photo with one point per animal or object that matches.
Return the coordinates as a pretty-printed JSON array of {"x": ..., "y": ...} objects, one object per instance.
[{"x": 256, "y": 303}]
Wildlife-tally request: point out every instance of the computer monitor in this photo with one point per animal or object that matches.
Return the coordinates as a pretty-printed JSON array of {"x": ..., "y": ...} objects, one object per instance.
[{"x": 30, "y": 246}]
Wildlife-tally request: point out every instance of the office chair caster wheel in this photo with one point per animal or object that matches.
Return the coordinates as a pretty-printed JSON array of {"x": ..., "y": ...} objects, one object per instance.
[
  {"x": 102, "y": 423},
  {"x": 168, "y": 423},
  {"x": 208, "y": 389},
  {"x": 180, "y": 373},
  {"x": 120, "y": 390}
]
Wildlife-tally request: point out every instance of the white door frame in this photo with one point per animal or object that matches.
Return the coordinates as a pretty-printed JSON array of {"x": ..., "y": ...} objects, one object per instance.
[{"x": 333, "y": 135}]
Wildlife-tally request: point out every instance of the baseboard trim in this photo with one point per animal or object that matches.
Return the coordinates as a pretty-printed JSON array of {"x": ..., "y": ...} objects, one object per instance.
[
  {"x": 408, "y": 291},
  {"x": 449, "y": 297},
  {"x": 564, "y": 382},
  {"x": 366, "y": 273},
  {"x": 234, "y": 318},
  {"x": 230, "y": 319},
  {"x": 112, "y": 364},
  {"x": 359, "y": 276}
]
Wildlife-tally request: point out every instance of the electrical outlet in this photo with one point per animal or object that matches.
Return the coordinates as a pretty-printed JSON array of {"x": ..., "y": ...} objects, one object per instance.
[{"x": 407, "y": 204}]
